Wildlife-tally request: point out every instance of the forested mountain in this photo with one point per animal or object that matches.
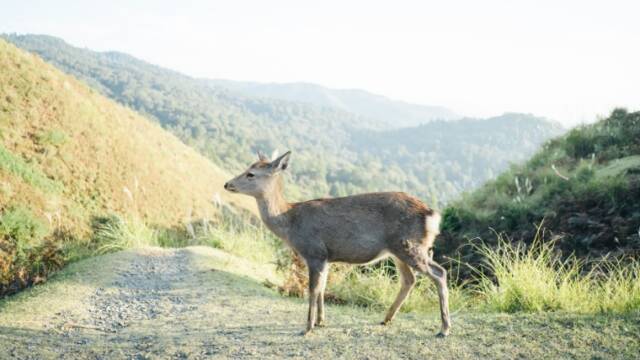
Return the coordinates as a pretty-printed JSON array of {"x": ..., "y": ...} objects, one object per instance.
[
  {"x": 335, "y": 152},
  {"x": 392, "y": 113},
  {"x": 470, "y": 151},
  {"x": 583, "y": 188}
]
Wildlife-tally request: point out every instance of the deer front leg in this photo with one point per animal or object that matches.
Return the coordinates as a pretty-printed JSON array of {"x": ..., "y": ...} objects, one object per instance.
[
  {"x": 322, "y": 285},
  {"x": 315, "y": 273}
]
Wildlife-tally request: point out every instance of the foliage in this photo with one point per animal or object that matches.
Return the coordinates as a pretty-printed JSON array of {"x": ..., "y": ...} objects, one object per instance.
[
  {"x": 584, "y": 185},
  {"x": 25, "y": 255},
  {"x": 336, "y": 152}
]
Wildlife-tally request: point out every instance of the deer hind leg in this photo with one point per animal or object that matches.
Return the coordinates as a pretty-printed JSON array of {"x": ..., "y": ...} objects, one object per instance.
[
  {"x": 420, "y": 259},
  {"x": 407, "y": 281}
]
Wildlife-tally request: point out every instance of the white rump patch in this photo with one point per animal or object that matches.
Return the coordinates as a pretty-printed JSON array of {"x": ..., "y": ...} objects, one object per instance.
[{"x": 433, "y": 224}]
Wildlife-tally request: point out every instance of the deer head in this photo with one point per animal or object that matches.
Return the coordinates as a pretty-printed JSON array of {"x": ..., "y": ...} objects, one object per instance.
[{"x": 261, "y": 178}]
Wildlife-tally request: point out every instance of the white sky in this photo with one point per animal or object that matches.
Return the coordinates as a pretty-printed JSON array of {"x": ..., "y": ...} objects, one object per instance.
[{"x": 567, "y": 60}]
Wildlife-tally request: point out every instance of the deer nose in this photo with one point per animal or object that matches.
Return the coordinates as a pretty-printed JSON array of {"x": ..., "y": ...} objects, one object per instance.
[{"x": 226, "y": 186}]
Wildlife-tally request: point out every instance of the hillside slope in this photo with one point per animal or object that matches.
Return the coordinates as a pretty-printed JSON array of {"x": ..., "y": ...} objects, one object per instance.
[
  {"x": 329, "y": 155},
  {"x": 584, "y": 188},
  {"x": 391, "y": 113},
  {"x": 69, "y": 157}
]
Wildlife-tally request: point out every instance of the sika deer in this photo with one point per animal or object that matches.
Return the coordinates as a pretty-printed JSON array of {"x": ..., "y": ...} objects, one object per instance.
[{"x": 356, "y": 229}]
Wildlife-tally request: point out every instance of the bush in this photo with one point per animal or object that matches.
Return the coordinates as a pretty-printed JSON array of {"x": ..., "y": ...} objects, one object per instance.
[
  {"x": 579, "y": 143},
  {"x": 25, "y": 256}
]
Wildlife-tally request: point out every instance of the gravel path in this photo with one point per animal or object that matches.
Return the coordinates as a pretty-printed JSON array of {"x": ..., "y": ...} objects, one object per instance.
[
  {"x": 201, "y": 303},
  {"x": 141, "y": 292}
]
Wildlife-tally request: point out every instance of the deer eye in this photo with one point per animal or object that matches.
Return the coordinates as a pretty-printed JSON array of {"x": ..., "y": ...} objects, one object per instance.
[{"x": 250, "y": 175}]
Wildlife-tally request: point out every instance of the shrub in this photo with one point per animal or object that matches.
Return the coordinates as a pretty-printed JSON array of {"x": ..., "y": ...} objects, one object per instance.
[
  {"x": 579, "y": 143},
  {"x": 25, "y": 256}
]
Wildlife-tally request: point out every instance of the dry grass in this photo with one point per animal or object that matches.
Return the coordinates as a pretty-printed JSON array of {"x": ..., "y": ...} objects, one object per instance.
[{"x": 70, "y": 155}]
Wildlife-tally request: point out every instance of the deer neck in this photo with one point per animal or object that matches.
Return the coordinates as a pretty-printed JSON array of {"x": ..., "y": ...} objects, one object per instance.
[{"x": 273, "y": 210}]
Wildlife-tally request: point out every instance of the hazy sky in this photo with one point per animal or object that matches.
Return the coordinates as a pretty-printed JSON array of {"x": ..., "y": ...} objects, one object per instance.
[{"x": 567, "y": 60}]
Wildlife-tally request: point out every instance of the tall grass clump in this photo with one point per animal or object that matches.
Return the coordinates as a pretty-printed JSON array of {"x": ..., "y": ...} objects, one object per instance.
[
  {"x": 118, "y": 233},
  {"x": 240, "y": 236},
  {"x": 237, "y": 233},
  {"x": 534, "y": 278},
  {"x": 377, "y": 287},
  {"x": 619, "y": 287}
]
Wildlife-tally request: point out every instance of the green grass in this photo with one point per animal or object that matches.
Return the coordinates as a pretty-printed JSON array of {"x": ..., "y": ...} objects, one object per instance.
[
  {"x": 584, "y": 185},
  {"x": 117, "y": 233},
  {"x": 619, "y": 166},
  {"x": 53, "y": 137},
  {"x": 25, "y": 254},
  {"x": 19, "y": 224},
  {"x": 233, "y": 233},
  {"x": 27, "y": 172},
  {"x": 537, "y": 279},
  {"x": 251, "y": 242},
  {"x": 377, "y": 287}
]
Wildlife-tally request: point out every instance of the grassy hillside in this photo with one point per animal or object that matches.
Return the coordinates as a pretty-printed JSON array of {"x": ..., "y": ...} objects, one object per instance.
[
  {"x": 583, "y": 187},
  {"x": 331, "y": 150},
  {"x": 391, "y": 113},
  {"x": 69, "y": 158}
]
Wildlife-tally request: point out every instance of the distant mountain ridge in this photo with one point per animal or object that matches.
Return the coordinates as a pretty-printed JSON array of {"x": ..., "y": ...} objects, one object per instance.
[{"x": 393, "y": 113}]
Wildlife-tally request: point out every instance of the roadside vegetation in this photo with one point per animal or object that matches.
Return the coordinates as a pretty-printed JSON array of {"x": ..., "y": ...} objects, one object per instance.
[{"x": 584, "y": 186}]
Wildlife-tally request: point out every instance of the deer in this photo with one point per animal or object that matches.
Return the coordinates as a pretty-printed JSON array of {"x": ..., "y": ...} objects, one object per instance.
[{"x": 357, "y": 229}]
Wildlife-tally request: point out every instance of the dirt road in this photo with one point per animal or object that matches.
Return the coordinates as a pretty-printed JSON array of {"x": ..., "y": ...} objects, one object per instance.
[{"x": 200, "y": 303}]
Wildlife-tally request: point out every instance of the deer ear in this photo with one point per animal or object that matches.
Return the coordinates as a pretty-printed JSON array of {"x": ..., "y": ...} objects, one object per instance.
[
  {"x": 282, "y": 162},
  {"x": 262, "y": 157}
]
